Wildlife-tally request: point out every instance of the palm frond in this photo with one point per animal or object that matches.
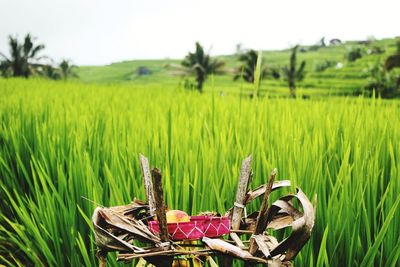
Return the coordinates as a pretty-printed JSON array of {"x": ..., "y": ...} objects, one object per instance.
[
  {"x": 300, "y": 72},
  {"x": 36, "y": 50},
  {"x": 27, "y": 45},
  {"x": 248, "y": 66},
  {"x": 4, "y": 57},
  {"x": 200, "y": 65}
]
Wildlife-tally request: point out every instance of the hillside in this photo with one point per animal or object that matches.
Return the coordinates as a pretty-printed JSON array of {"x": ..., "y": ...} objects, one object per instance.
[{"x": 349, "y": 78}]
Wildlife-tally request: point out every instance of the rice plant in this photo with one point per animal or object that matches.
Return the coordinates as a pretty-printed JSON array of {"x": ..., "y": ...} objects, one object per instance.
[{"x": 62, "y": 141}]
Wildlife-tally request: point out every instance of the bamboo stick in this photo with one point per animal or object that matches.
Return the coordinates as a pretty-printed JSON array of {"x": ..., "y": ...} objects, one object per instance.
[
  {"x": 241, "y": 192},
  {"x": 159, "y": 204},
  {"x": 148, "y": 183},
  {"x": 239, "y": 205}
]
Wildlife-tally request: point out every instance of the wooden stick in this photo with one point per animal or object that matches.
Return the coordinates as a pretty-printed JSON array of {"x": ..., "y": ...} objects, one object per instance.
[
  {"x": 241, "y": 232},
  {"x": 159, "y": 204},
  {"x": 238, "y": 208},
  {"x": 129, "y": 256},
  {"x": 262, "y": 246},
  {"x": 237, "y": 240},
  {"x": 148, "y": 184},
  {"x": 261, "y": 223},
  {"x": 241, "y": 192}
]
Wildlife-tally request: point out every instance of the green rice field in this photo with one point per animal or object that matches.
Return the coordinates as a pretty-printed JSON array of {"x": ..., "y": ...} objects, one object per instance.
[
  {"x": 61, "y": 141},
  {"x": 350, "y": 79}
]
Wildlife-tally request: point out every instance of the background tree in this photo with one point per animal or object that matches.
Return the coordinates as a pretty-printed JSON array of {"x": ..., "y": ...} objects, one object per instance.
[
  {"x": 322, "y": 42},
  {"x": 384, "y": 82},
  {"x": 5, "y": 69},
  {"x": 23, "y": 60},
  {"x": 398, "y": 45},
  {"x": 354, "y": 53},
  {"x": 323, "y": 65},
  {"x": 392, "y": 62},
  {"x": 50, "y": 72},
  {"x": 239, "y": 49},
  {"x": 248, "y": 67},
  {"x": 201, "y": 65},
  {"x": 67, "y": 69},
  {"x": 292, "y": 73}
]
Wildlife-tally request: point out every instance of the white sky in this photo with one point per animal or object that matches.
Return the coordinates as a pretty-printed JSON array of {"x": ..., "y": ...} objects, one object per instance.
[{"x": 103, "y": 31}]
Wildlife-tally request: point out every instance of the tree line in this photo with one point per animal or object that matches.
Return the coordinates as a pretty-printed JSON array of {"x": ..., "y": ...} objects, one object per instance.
[
  {"x": 383, "y": 81},
  {"x": 200, "y": 65},
  {"x": 25, "y": 60}
]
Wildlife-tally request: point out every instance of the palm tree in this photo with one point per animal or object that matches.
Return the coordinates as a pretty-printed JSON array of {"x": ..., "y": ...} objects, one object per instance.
[
  {"x": 23, "y": 60},
  {"x": 201, "y": 65},
  {"x": 392, "y": 62},
  {"x": 354, "y": 53},
  {"x": 248, "y": 67},
  {"x": 67, "y": 69},
  {"x": 384, "y": 82},
  {"x": 293, "y": 74},
  {"x": 50, "y": 72}
]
